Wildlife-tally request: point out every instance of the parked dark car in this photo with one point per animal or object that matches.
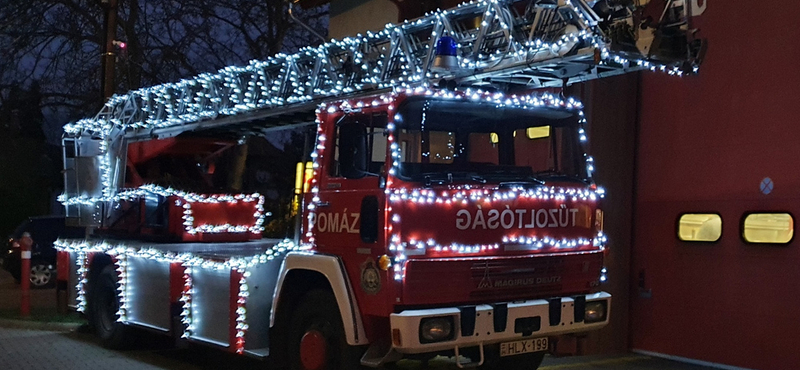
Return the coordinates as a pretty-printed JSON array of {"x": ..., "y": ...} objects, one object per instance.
[{"x": 44, "y": 231}]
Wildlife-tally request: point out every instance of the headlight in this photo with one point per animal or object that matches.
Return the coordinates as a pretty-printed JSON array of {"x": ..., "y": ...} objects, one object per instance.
[
  {"x": 436, "y": 329},
  {"x": 595, "y": 311}
]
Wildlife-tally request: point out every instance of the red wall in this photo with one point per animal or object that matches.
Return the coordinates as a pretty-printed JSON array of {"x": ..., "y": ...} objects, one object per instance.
[{"x": 705, "y": 144}]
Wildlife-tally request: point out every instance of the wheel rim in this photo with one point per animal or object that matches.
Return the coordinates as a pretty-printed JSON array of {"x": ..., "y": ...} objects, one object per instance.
[
  {"x": 313, "y": 350},
  {"x": 40, "y": 275}
]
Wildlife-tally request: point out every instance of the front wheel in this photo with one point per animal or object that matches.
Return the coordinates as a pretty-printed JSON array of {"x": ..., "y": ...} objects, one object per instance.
[
  {"x": 316, "y": 335},
  {"x": 104, "y": 310}
]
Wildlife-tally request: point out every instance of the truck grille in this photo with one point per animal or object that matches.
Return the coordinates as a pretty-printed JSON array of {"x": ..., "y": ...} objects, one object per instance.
[{"x": 496, "y": 279}]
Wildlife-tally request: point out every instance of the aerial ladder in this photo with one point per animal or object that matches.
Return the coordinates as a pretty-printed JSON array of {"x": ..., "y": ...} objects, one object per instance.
[{"x": 500, "y": 45}]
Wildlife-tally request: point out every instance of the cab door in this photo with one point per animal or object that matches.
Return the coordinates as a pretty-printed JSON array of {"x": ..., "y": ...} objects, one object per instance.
[{"x": 349, "y": 215}]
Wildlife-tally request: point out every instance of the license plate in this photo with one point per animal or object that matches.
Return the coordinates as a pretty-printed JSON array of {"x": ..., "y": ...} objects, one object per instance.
[{"x": 524, "y": 346}]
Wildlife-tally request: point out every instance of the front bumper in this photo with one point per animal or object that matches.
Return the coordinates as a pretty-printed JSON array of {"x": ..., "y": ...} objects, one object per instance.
[{"x": 485, "y": 325}]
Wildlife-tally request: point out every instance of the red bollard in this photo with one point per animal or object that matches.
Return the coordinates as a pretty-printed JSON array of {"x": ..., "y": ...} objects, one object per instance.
[{"x": 25, "y": 244}]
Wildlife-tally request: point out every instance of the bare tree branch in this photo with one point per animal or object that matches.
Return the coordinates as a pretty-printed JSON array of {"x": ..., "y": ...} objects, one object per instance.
[{"x": 59, "y": 43}]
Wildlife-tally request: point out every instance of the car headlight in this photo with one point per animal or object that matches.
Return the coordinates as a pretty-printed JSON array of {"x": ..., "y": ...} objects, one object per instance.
[
  {"x": 436, "y": 329},
  {"x": 595, "y": 311}
]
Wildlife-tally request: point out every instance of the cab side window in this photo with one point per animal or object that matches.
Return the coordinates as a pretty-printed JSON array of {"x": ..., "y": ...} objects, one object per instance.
[{"x": 360, "y": 146}]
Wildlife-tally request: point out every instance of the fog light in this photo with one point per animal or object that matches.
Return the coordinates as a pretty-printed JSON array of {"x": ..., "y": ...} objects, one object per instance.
[
  {"x": 595, "y": 311},
  {"x": 436, "y": 329}
]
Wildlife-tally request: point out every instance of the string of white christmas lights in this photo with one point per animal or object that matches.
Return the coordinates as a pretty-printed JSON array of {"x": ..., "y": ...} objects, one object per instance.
[
  {"x": 259, "y": 84},
  {"x": 185, "y": 201},
  {"x": 122, "y": 254},
  {"x": 241, "y": 311},
  {"x": 121, "y": 261},
  {"x": 80, "y": 288},
  {"x": 186, "y": 298}
]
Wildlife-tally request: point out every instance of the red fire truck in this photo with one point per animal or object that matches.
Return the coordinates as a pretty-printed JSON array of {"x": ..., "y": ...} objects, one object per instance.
[
  {"x": 450, "y": 218},
  {"x": 436, "y": 221}
]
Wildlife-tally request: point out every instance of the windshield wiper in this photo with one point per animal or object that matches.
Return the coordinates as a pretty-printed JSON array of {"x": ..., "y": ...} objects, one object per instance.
[
  {"x": 440, "y": 178},
  {"x": 523, "y": 183},
  {"x": 436, "y": 177},
  {"x": 477, "y": 178}
]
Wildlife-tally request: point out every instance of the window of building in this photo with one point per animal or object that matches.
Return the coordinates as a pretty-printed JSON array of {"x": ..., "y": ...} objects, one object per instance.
[
  {"x": 699, "y": 227},
  {"x": 768, "y": 228}
]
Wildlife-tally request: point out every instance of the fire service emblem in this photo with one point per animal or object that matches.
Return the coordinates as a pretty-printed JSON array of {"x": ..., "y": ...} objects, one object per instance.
[{"x": 370, "y": 277}]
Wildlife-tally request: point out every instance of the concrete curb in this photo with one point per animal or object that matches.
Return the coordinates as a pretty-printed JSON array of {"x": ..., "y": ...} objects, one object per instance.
[{"x": 39, "y": 325}]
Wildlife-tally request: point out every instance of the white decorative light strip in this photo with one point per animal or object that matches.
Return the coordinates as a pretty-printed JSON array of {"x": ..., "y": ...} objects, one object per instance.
[
  {"x": 397, "y": 56},
  {"x": 121, "y": 261},
  {"x": 465, "y": 194},
  {"x": 320, "y": 144},
  {"x": 189, "y": 262},
  {"x": 80, "y": 288},
  {"x": 414, "y": 247},
  {"x": 241, "y": 311},
  {"x": 186, "y": 298},
  {"x": 608, "y": 58},
  {"x": 186, "y": 201}
]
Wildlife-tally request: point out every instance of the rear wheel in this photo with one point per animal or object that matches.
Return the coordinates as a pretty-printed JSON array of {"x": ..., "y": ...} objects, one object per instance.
[
  {"x": 104, "y": 307},
  {"x": 316, "y": 336}
]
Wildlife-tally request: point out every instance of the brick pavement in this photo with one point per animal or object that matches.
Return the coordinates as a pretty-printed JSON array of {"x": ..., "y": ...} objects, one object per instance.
[{"x": 32, "y": 349}]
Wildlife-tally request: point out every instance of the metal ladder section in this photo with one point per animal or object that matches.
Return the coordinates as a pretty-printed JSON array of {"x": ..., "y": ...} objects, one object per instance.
[{"x": 527, "y": 43}]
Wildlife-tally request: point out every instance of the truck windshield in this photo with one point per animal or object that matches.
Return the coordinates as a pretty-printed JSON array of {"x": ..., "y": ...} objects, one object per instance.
[{"x": 446, "y": 141}]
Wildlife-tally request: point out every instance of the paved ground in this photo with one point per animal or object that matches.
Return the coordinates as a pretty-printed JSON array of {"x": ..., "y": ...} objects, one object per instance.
[
  {"x": 32, "y": 349},
  {"x": 55, "y": 344},
  {"x": 43, "y": 301}
]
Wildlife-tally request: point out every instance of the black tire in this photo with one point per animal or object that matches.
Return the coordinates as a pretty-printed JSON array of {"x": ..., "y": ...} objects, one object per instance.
[
  {"x": 493, "y": 361},
  {"x": 317, "y": 315},
  {"x": 43, "y": 275},
  {"x": 103, "y": 311}
]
